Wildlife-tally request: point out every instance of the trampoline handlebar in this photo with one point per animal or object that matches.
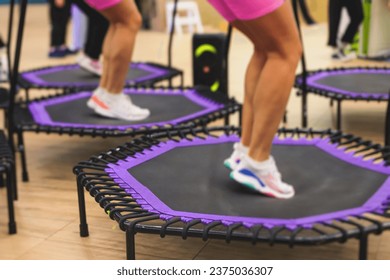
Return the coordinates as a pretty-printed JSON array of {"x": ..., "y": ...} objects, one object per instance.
[
  {"x": 171, "y": 33},
  {"x": 387, "y": 123}
]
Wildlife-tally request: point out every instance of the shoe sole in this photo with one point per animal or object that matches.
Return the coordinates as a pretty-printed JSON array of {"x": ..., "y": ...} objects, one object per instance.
[
  {"x": 253, "y": 184},
  {"x": 227, "y": 164}
]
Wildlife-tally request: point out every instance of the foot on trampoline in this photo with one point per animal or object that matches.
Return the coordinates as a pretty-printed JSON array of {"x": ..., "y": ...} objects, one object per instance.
[
  {"x": 263, "y": 178},
  {"x": 238, "y": 151},
  {"x": 90, "y": 65},
  {"x": 117, "y": 106}
]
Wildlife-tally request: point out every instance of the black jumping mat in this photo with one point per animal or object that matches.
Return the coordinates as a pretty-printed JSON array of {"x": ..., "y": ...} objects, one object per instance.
[{"x": 72, "y": 76}]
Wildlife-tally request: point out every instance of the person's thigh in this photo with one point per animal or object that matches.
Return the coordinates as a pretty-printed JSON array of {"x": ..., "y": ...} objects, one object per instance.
[
  {"x": 123, "y": 12},
  {"x": 275, "y": 31}
]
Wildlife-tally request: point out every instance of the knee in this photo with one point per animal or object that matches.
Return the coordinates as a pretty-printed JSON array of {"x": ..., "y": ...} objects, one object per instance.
[
  {"x": 135, "y": 21},
  {"x": 132, "y": 22},
  {"x": 297, "y": 52},
  {"x": 292, "y": 54}
]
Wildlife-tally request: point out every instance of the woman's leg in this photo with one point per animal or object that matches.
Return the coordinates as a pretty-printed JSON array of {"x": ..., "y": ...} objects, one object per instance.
[
  {"x": 109, "y": 100},
  {"x": 105, "y": 51},
  {"x": 270, "y": 77},
  {"x": 279, "y": 41},
  {"x": 252, "y": 75},
  {"x": 125, "y": 22}
]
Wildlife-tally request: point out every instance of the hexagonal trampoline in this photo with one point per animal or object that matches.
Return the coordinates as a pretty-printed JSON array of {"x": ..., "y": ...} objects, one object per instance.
[
  {"x": 339, "y": 84},
  {"x": 69, "y": 114},
  {"x": 71, "y": 76},
  {"x": 166, "y": 106},
  {"x": 342, "y": 189},
  {"x": 357, "y": 83}
]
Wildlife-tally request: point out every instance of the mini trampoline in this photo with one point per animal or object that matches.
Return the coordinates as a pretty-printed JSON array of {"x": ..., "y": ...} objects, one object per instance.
[
  {"x": 174, "y": 183},
  {"x": 168, "y": 106},
  {"x": 338, "y": 84},
  {"x": 71, "y": 76}
]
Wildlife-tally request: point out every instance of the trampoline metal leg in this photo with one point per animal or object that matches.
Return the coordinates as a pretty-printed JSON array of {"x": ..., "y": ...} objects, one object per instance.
[
  {"x": 285, "y": 117},
  {"x": 181, "y": 80},
  {"x": 10, "y": 198},
  {"x": 304, "y": 109},
  {"x": 338, "y": 115},
  {"x": 84, "y": 232},
  {"x": 363, "y": 247},
  {"x": 240, "y": 117},
  {"x": 130, "y": 244},
  {"x": 14, "y": 181},
  {"x": 5, "y": 118},
  {"x": 27, "y": 94},
  {"x": 21, "y": 149},
  {"x": 227, "y": 120}
]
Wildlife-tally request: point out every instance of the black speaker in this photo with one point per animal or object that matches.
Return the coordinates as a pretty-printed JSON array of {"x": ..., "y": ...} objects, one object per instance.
[{"x": 209, "y": 61}]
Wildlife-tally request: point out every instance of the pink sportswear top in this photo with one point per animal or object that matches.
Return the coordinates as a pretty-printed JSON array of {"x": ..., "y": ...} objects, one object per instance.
[
  {"x": 102, "y": 4},
  {"x": 245, "y": 9}
]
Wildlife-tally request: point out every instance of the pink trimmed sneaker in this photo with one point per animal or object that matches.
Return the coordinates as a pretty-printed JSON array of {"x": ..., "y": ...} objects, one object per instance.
[
  {"x": 117, "y": 106},
  {"x": 91, "y": 65}
]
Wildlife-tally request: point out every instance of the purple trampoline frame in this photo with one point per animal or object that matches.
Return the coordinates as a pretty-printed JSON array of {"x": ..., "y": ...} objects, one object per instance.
[
  {"x": 41, "y": 116},
  {"x": 148, "y": 201},
  {"x": 314, "y": 77}
]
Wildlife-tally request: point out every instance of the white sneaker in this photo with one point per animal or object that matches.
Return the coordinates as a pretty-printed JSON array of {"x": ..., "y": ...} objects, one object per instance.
[
  {"x": 117, "y": 106},
  {"x": 91, "y": 65},
  {"x": 266, "y": 179},
  {"x": 238, "y": 151},
  {"x": 96, "y": 95}
]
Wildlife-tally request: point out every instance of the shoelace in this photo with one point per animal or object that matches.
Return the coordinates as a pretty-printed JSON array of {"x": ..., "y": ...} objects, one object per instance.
[
  {"x": 274, "y": 170},
  {"x": 277, "y": 174}
]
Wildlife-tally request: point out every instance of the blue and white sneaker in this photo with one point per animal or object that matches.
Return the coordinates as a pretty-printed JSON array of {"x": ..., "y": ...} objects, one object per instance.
[
  {"x": 238, "y": 151},
  {"x": 267, "y": 180}
]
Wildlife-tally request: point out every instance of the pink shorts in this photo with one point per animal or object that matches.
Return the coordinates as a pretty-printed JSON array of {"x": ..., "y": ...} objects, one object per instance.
[
  {"x": 102, "y": 4},
  {"x": 245, "y": 9}
]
